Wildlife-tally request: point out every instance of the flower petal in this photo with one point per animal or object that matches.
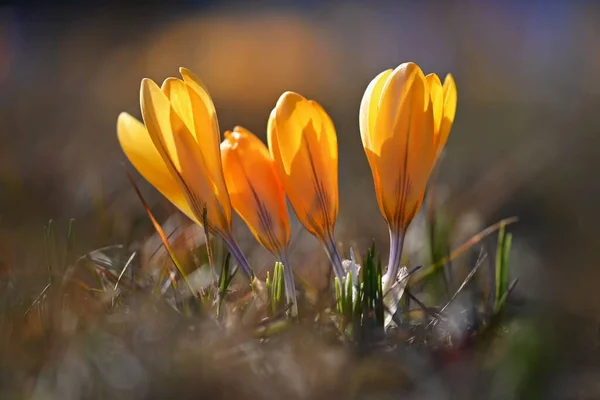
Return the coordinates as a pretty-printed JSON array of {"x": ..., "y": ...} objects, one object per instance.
[
  {"x": 437, "y": 100},
  {"x": 292, "y": 116},
  {"x": 369, "y": 107},
  {"x": 405, "y": 135},
  {"x": 298, "y": 137},
  {"x": 450, "y": 99},
  {"x": 206, "y": 124},
  {"x": 182, "y": 155},
  {"x": 328, "y": 149},
  {"x": 272, "y": 142},
  {"x": 255, "y": 190},
  {"x": 141, "y": 152},
  {"x": 156, "y": 111},
  {"x": 397, "y": 102}
]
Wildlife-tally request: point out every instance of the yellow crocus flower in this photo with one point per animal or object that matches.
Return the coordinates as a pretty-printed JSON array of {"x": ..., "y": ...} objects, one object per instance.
[
  {"x": 405, "y": 119},
  {"x": 303, "y": 144},
  {"x": 177, "y": 151},
  {"x": 257, "y": 196}
]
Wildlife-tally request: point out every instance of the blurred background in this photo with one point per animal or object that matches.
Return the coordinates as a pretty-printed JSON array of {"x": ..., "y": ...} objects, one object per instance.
[{"x": 525, "y": 141}]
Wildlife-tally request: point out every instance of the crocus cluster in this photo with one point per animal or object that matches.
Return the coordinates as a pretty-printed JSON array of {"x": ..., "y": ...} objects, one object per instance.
[{"x": 405, "y": 119}]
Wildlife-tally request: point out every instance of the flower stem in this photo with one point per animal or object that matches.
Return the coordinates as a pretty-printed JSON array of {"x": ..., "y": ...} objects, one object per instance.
[
  {"x": 396, "y": 244},
  {"x": 290, "y": 285},
  {"x": 334, "y": 256},
  {"x": 236, "y": 252}
]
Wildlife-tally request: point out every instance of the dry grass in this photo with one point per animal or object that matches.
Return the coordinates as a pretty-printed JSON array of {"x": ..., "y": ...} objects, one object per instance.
[{"x": 120, "y": 322}]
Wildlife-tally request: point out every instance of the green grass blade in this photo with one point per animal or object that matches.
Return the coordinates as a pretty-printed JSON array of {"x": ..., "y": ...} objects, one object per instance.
[
  {"x": 222, "y": 286},
  {"x": 349, "y": 296},
  {"x": 379, "y": 308},
  {"x": 338, "y": 294},
  {"x": 502, "y": 269},
  {"x": 506, "y": 260},
  {"x": 499, "y": 273},
  {"x": 427, "y": 271},
  {"x": 506, "y": 293},
  {"x": 279, "y": 286}
]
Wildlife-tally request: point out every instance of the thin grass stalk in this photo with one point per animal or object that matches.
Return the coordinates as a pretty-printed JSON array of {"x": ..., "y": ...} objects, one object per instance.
[
  {"x": 161, "y": 234},
  {"x": 338, "y": 294},
  {"x": 499, "y": 274},
  {"x": 209, "y": 252},
  {"x": 425, "y": 272}
]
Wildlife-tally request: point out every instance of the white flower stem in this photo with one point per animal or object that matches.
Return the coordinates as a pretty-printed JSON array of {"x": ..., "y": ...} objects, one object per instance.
[
  {"x": 396, "y": 244},
  {"x": 290, "y": 285}
]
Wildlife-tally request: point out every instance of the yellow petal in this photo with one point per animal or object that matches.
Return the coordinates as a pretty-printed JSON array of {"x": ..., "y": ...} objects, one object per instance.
[
  {"x": 369, "y": 106},
  {"x": 194, "y": 114},
  {"x": 285, "y": 148},
  {"x": 206, "y": 123},
  {"x": 272, "y": 139},
  {"x": 304, "y": 147},
  {"x": 141, "y": 152},
  {"x": 273, "y": 145},
  {"x": 255, "y": 190},
  {"x": 329, "y": 155},
  {"x": 191, "y": 102},
  {"x": 191, "y": 79},
  {"x": 182, "y": 155},
  {"x": 437, "y": 100},
  {"x": 177, "y": 93},
  {"x": 395, "y": 104},
  {"x": 403, "y": 145},
  {"x": 292, "y": 116},
  {"x": 156, "y": 110},
  {"x": 369, "y": 109},
  {"x": 450, "y": 99}
]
